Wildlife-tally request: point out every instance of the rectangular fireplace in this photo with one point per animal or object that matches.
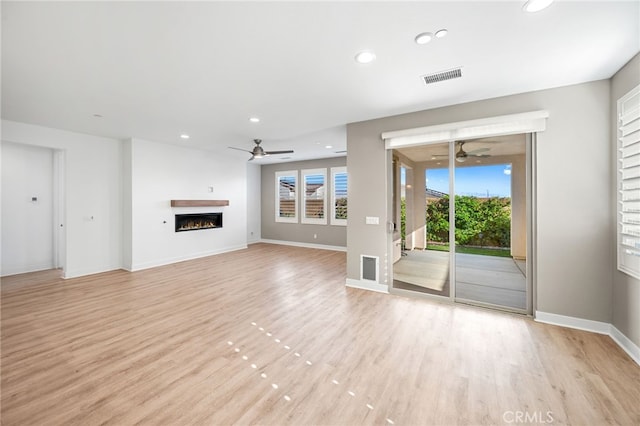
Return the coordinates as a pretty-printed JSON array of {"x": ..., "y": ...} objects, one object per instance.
[{"x": 198, "y": 221}]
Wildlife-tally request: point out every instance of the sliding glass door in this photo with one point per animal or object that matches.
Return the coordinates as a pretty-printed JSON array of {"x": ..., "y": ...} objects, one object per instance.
[
  {"x": 462, "y": 207},
  {"x": 424, "y": 265},
  {"x": 490, "y": 223}
]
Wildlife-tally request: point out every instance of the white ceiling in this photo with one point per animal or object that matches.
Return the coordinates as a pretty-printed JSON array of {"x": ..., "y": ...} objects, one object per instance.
[{"x": 154, "y": 70}]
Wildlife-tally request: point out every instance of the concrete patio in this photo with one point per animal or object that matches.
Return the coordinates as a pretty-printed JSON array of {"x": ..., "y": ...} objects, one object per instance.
[{"x": 495, "y": 280}]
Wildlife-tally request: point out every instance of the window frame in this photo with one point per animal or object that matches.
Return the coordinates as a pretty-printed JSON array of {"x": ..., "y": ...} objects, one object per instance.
[
  {"x": 334, "y": 172},
  {"x": 278, "y": 176},
  {"x": 303, "y": 179},
  {"x": 628, "y": 183}
]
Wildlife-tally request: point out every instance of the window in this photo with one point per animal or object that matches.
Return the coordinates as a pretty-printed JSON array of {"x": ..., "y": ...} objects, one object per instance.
[
  {"x": 314, "y": 201},
  {"x": 287, "y": 196},
  {"x": 629, "y": 183},
  {"x": 338, "y": 195}
]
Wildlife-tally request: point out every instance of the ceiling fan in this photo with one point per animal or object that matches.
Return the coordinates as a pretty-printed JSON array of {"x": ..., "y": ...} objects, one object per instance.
[
  {"x": 259, "y": 152},
  {"x": 462, "y": 155}
]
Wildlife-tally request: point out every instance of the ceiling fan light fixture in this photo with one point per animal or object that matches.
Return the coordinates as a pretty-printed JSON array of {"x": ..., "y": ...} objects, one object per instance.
[
  {"x": 536, "y": 5},
  {"x": 461, "y": 159}
]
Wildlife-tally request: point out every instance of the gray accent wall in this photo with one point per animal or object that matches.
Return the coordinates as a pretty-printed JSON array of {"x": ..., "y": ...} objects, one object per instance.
[
  {"x": 330, "y": 235},
  {"x": 626, "y": 289},
  {"x": 575, "y": 228}
]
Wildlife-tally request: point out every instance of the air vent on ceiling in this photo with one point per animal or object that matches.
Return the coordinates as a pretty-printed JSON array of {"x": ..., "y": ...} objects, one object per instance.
[
  {"x": 340, "y": 152},
  {"x": 442, "y": 76}
]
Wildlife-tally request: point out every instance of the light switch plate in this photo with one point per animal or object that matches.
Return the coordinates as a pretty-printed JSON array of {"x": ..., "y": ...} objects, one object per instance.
[{"x": 372, "y": 220}]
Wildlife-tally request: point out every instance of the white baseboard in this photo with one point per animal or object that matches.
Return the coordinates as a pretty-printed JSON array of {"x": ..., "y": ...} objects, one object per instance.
[
  {"x": 367, "y": 285},
  {"x": 625, "y": 343},
  {"x": 573, "y": 322},
  {"x": 75, "y": 273},
  {"x": 23, "y": 269},
  {"x": 593, "y": 326},
  {"x": 168, "y": 261},
  {"x": 304, "y": 245}
]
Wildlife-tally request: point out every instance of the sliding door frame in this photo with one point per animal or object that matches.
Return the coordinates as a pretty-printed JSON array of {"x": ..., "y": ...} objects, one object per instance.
[{"x": 525, "y": 123}]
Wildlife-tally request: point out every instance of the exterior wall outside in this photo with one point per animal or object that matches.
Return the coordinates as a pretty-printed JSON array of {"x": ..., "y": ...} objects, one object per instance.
[
  {"x": 330, "y": 235},
  {"x": 626, "y": 289},
  {"x": 573, "y": 162}
]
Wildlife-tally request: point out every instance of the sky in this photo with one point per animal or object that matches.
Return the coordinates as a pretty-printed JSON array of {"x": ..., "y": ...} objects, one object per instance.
[{"x": 494, "y": 180}]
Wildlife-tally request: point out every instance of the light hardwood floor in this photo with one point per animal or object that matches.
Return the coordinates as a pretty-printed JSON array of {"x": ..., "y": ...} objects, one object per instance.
[{"x": 165, "y": 346}]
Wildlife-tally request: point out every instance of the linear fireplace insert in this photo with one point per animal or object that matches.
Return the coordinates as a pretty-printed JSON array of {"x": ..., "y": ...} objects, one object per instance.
[{"x": 198, "y": 221}]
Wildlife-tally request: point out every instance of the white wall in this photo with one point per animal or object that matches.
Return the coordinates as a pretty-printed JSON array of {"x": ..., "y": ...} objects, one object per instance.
[
  {"x": 254, "y": 197},
  {"x": 27, "y": 226},
  {"x": 160, "y": 173},
  {"x": 92, "y": 188}
]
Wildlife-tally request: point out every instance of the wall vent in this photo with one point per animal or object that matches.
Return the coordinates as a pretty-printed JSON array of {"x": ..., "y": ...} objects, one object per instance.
[
  {"x": 442, "y": 76},
  {"x": 369, "y": 267}
]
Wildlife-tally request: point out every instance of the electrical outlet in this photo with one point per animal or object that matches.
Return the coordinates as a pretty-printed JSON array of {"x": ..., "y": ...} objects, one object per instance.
[{"x": 315, "y": 236}]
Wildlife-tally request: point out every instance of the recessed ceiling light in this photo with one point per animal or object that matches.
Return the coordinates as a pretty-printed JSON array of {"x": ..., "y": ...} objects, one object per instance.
[
  {"x": 184, "y": 136},
  {"x": 441, "y": 33},
  {"x": 423, "y": 38},
  {"x": 254, "y": 119},
  {"x": 365, "y": 57},
  {"x": 536, "y": 5},
  {"x": 328, "y": 146}
]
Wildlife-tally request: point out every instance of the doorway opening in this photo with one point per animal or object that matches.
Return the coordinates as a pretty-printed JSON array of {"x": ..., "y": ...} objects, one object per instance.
[{"x": 475, "y": 242}]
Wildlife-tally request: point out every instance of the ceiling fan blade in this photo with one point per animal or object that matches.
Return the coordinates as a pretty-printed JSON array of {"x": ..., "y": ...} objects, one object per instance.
[
  {"x": 240, "y": 149},
  {"x": 477, "y": 151},
  {"x": 251, "y": 159},
  {"x": 278, "y": 152},
  {"x": 478, "y": 155}
]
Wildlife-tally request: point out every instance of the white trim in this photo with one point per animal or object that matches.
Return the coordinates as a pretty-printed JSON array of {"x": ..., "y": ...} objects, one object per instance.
[
  {"x": 367, "y": 285},
  {"x": 626, "y": 344},
  {"x": 303, "y": 196},
  {"x": 303, "y": 245},
  {"x": 335, "y": 171},
  {"x": 278, "y": 175},
  {"x": 170, "y": 260},
  {"x": 528, "y": 122},
  {"x": 84, "y": 272},
  {"x": 573, "y": 322},
  {"x": 25, "y": 269},
  {"x": 593, "y": 326},
  {"x": 627, "y": 253}
]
